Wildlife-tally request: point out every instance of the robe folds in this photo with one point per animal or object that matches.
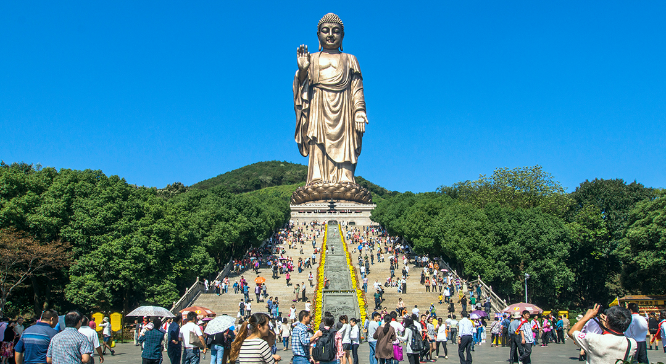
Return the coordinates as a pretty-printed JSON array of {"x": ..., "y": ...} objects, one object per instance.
[{"x": 325, "y": 107}]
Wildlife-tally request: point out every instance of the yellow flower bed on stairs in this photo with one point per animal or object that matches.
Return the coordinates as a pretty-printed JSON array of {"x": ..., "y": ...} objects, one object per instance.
[{"x": 319, "y": 289}]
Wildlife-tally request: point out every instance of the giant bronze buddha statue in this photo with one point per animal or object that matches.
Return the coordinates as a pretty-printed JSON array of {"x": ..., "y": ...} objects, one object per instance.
[{"x": 330, "y": 117}]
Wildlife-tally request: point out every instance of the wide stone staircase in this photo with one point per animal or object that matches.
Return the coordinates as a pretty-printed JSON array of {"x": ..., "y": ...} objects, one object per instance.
[
  {"x": 416, "y": 294},
  {"x": 228, "y": 303}
]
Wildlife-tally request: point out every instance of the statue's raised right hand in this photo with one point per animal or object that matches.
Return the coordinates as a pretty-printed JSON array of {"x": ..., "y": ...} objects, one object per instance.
[{"x": 303, "y": 58}]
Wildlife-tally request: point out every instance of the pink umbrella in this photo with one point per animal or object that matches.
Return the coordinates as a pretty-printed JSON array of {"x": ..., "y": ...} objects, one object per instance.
[{"x": 520, "y": 307}]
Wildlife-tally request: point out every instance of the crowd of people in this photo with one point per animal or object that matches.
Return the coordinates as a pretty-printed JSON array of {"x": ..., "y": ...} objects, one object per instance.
[
  {"x": 417, "y": 335},
  {"x": 603, "y": 335}
]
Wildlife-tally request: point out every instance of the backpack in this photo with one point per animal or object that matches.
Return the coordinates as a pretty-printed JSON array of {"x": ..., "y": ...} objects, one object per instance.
[
  {"x": 242, "y": 305},
  {"x": 658, "y": 335},
  {"x": 416, "y": 344},
  {"x": 324, "y": 349}
]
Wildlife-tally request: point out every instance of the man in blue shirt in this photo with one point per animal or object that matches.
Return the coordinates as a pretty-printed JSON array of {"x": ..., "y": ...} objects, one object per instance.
[
  {"x": 246, "y": 293},
  {"x": 559, "y": 328},
  {"x": 526, "y": 338},
  {"x": 34, "y": 343},
  {"x": 516, "y": 345},
  {"x": 152, "y": 340},
  {"x": 301, "y": 339},
  {"x": 505, "y": 331},
  {"x": 70, "y": 346},
  {"x": 174, "y": 349}
]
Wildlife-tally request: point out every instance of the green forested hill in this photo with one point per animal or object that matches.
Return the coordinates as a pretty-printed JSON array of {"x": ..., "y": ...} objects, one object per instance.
[
  {"x": 279, "y": 178},
  {"x": 257, "y": 176}
]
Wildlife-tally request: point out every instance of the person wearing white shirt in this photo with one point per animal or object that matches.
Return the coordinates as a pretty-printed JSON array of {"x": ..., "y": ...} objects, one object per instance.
[
  {"x": 638, "y": 330},
  {"x": 465, "y": 332},
  {"x": 415, "y": 311},
  {"x": 355, "y": 336},
  {"x": 93, "y": 338},
  {"x": 610, "y": 346},
  {"x": 396, "y": 326},
  {"x": 441, "y": 338},
  {"x": 190, "y": 351},
  {"x": 345, "y": 331},
  {"x": 410, "y": 332},
  {"x": 453, "y": 329}
]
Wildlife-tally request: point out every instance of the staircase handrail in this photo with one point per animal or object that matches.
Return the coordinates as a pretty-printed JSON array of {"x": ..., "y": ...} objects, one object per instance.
[
  {"x": 497, "y": 303},
  {"x": 225, "y": 272},
  {"x": 190, "y": 295},
  {"x": 195, "y": 290}
]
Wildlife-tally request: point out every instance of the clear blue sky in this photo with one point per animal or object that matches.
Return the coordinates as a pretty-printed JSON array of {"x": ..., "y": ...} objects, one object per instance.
[{"x": 158, "y": 92}]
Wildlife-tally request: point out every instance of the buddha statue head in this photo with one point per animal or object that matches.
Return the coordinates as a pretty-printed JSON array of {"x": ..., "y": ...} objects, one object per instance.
[{"x": 330, "y": 32}]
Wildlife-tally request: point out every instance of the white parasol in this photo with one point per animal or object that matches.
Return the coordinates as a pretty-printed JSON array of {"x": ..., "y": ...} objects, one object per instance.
[
  {"x": 151, "y": 311},
  {"x": 220, "y": 324}
]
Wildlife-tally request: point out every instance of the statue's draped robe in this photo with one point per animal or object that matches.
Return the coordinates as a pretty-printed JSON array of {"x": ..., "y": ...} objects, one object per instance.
[{"x": 325, "y": 109}]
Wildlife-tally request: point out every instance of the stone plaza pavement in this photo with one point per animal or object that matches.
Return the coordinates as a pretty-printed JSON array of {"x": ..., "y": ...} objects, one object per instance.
[{"x": 553, "y": 354}]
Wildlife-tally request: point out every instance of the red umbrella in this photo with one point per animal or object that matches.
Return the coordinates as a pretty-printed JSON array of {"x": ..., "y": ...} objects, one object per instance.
[
  {"x": 200, "y": 311},
  {"x": 520, "y": 307}
]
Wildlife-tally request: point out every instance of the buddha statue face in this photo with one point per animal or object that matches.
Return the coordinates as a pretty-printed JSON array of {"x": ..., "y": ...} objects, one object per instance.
[{"x": 330, "y": 36}]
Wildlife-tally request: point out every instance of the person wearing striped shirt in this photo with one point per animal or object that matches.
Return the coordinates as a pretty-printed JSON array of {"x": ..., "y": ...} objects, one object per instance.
[{"x": 254, "y": 341}]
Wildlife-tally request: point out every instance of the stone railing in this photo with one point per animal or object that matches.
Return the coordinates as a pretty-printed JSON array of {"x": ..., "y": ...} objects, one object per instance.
[
  {"x": 189, "y": 297},
  {"x": 496, "y": 304},
  {"x": 225, "y": 272},
  {"x": 197, "y": 289}
]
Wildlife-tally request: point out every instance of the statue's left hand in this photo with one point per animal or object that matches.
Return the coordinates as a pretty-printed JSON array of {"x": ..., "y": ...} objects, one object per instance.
[{"x": 360, "y": 119}]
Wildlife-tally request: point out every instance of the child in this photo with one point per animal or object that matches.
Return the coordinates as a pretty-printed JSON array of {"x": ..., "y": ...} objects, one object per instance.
[{"x": 440, "y": 298}]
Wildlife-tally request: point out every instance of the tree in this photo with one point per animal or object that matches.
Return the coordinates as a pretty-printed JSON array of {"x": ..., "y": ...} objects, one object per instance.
[
  {"x": 591, "y": 257},
  {"x": 614, "y": 198},
  {"x": 524, "y": 187},
  {"x": 598, "y": 221},
  {"x": 22, "y": 256},
  {"x": 643, "y": 249}
]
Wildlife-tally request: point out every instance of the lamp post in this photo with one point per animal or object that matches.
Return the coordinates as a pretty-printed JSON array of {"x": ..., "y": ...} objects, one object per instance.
[{"x": 527, "y": 276}]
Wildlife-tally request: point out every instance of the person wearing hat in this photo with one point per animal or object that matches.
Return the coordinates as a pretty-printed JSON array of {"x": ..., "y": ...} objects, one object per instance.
[
  {"x": 609, "y": 345},
  {"x": 107, "y": 333},
  {"x": 515, "y": 340}
]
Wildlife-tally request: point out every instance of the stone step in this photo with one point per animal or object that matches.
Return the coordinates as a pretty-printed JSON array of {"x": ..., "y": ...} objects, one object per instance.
[{"x": 416, "y": 294}]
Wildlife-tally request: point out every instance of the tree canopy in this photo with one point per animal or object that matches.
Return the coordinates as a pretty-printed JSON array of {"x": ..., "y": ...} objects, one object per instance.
[
  {"x": 575, "y": 246},
  {"x": 130, "y": 245}
]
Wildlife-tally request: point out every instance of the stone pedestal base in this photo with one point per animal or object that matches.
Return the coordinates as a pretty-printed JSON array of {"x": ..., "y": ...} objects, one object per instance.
[
  {"x": 351, "y": 213},
  {"x": 321, "y": 191}
]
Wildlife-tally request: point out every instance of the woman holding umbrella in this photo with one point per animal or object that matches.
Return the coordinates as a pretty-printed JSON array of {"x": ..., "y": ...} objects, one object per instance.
[{"x": 220, "y": 332}]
